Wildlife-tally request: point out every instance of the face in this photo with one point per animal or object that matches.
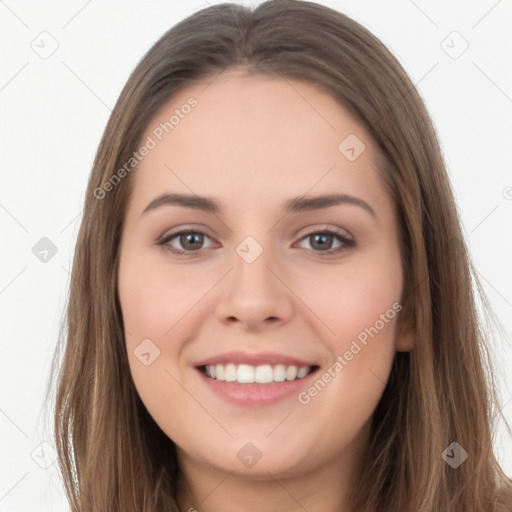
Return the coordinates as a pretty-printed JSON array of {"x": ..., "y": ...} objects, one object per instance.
[{"x": 261, "y": 280}]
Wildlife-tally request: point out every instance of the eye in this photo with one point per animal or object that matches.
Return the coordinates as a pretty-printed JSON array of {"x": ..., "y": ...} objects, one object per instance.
[
  {"x": 191, "y": 242},
  {"x": 323, "y": 241}
]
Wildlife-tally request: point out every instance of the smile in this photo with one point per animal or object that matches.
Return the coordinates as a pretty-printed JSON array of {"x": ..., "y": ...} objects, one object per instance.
[{"x": 262, "y": 374}]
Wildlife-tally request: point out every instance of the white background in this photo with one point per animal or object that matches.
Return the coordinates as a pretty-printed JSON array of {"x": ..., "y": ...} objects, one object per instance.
[{"x": 52, "y": 114}]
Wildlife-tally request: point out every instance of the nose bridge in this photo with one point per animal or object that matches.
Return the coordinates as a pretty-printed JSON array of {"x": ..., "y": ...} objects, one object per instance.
[
  {"x": 254, "y": 292},
  {"x": 254, "y": 235},
  {"x": 251, "y": 272}
]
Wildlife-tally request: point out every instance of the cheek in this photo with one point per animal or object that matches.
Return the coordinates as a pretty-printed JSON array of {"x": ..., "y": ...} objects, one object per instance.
[
  {"x": 347, "y": 391},
  {"x": 152, "y": 305},
  {"x": 151, "y": 298},
  {"x": 160, "y": 304},
  {"x": 354, "y": 298},
  {"x": 359, "y": 307}
]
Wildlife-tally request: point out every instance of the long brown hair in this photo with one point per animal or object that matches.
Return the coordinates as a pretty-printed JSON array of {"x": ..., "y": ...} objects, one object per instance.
[{"x": 112, "y": 455}]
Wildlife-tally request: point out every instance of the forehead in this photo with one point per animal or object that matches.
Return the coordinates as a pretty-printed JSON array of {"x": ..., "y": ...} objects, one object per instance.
[{"x": 255, "y": 136}]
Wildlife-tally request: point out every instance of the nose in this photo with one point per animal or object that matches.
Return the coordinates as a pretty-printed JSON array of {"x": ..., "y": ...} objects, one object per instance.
[{"x": 255, "y": 295}]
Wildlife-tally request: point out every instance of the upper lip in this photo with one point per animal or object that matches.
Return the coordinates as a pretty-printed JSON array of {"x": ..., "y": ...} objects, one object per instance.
[{"x": 253, "y": 359}]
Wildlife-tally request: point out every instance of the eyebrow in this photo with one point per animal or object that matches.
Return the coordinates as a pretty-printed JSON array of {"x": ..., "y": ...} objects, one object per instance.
[{"x": 293, "y": 205}]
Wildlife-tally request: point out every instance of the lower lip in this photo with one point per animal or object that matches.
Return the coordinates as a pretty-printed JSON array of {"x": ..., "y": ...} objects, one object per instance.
[{"x": 256, "y": 394}]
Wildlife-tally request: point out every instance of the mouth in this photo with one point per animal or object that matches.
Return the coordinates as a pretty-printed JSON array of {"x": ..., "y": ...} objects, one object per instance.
[
  {"x": 244, "y": 385},
  {"x": 261, "y": 374},
  {"x": 248, "y": 378}
]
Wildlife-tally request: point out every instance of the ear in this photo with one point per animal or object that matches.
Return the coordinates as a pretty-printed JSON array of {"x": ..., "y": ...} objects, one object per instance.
[
  {"x": 406, "y": 336},
  {"x": 405, "y": 341}
]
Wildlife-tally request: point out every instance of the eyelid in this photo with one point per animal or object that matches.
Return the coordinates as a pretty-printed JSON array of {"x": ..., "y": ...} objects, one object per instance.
[
  {"x": 342, "y": 235},
  {"x": 322, "y": 228},
  {"x": 308, "y": 230}
]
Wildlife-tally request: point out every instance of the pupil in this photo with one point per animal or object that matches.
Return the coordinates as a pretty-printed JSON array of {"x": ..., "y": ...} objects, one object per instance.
[
  {"x": 190, "y": 236},
  {"x": 322, "y": 245}
]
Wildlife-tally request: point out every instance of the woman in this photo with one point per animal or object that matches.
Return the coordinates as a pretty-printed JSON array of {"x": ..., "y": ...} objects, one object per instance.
[{"x": 256, "y": 372}]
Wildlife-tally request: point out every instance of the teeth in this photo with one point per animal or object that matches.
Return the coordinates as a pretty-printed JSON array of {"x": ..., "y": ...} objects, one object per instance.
[
  {"x": 291, "y": 373},
  {"x": 302, "y": 373},
  {"x": 245, "y": 373},
  {"x": 230, "y": 373},
  {"x": 264, "y": 374}
]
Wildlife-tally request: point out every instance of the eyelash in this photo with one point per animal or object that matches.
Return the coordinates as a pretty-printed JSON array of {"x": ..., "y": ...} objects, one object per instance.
[{"x": 347, "y": 242}]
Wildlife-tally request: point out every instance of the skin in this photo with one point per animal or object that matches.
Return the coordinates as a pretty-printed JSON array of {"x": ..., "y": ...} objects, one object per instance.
[{"x": 282, "y": 138}]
